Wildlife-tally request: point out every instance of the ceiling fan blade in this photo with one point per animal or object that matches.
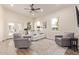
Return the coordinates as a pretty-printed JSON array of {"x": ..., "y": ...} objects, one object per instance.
[
  {"x": 37, "y": 9},
  {"x": 26, "y": 9}
]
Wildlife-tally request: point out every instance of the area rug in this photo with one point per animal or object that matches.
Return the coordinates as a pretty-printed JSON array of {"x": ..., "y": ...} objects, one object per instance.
[{"x": 47, "y": 47}]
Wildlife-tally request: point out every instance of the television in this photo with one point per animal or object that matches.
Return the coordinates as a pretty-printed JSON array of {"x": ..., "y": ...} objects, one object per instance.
[{"x": 77, "y": 14}]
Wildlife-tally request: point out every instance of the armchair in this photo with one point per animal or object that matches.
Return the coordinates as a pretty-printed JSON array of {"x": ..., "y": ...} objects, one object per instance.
[
  {"x": 21, "y": 42},
  {"x": 64, "y": 40}
]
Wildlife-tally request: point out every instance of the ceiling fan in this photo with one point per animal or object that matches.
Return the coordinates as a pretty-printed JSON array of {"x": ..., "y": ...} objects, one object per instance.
[{"x": 33, "y": 9}]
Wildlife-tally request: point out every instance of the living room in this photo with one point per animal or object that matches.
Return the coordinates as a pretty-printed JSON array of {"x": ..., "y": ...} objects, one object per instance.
[{"x": 15, "y": 18}]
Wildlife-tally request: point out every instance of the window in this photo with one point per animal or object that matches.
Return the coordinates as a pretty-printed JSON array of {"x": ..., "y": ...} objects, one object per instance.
[
  {"x": 38, "y": 23},
  {"x": 19, "y": 27},
  {"x": 11, "y": 28},
  {"x": 44, "y": 25},
  {"x": 54, "y": 23}
]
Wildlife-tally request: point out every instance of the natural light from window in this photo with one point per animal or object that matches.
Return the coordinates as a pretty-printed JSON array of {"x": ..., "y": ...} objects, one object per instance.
[
  {"x": 11, "y": 28},
  {"x": 54, "y": 23}
]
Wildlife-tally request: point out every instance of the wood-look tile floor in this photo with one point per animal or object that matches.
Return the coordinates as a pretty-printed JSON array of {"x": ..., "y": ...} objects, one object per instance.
[
  {"x": 24, "y": 51},
  {"x": 41, "y": 47},
  {"x": 71, "y": 52}
]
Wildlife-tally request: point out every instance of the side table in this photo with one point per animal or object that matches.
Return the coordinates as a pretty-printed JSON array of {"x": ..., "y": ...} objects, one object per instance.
[{"x": 74, "y": 44}]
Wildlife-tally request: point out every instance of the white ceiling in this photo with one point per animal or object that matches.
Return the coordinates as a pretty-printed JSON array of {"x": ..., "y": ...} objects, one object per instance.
[{"x": 47, "y": 9}]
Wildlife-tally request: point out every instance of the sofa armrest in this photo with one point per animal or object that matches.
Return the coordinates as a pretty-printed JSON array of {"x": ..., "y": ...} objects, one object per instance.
[
  {"x": 21, "y": 39},
  {"x": 58, "y": 35}
]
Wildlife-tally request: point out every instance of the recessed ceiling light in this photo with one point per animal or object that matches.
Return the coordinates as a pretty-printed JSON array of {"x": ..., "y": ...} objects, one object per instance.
[{"x": 11, "y": 5}]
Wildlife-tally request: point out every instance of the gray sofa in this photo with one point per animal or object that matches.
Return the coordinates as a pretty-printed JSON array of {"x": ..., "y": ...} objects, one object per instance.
[
  {"x": 21, "y": 42},
  {"x": 64, "y": 40}
]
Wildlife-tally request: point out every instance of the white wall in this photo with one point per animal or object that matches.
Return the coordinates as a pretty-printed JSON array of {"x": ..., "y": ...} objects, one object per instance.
[
  {"x": 13, "y": 17},
  {"x": 1, "y": 23},
  {"x": 67, "y": 22}
]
